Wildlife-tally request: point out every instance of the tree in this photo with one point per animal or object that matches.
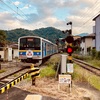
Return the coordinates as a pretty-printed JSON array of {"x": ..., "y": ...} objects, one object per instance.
[{"x": 2, "y": 38}]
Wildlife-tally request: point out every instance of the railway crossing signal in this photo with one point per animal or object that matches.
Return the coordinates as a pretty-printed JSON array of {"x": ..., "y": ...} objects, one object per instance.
[
  {"x": 69, "y": 39},
  {"x": 69, "y": 50}
]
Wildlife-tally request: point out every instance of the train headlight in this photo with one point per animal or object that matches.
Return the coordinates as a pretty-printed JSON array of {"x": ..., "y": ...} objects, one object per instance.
[{"x": 20, "y": 53}]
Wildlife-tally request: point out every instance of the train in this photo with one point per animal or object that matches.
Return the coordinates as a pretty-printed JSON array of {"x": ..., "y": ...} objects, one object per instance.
[{"x": 35, "y": 49}]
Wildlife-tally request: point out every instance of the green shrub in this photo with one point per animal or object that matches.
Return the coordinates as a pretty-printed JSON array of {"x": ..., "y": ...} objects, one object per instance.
[
  {"x": 82, "y": 57},
  {"x": 98, "y": 55},
  {"x": 93, "y": 53}
]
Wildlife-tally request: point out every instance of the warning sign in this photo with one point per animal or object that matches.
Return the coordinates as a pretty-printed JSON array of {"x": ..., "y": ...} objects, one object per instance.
[
  {"x": 65, "y": 79},
  {"x": 70, "y": 68}
]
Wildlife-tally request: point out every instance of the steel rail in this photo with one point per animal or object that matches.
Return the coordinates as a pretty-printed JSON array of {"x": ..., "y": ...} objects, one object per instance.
[
  {"x": 12, "y": 73},
  {"x": 87, "y": 66}
]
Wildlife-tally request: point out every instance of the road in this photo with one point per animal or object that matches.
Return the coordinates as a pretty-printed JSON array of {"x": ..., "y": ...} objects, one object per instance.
[{"x": 15, "y": 93}]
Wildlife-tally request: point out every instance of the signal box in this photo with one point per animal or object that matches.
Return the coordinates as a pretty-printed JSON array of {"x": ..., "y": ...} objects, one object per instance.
[{"x": 69, "y": 50}]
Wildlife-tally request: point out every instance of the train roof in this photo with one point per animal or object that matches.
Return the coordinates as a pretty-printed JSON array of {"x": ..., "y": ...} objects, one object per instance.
[
  {"x": 38, "y": 37},
  {"x": 29, "y": 36}
]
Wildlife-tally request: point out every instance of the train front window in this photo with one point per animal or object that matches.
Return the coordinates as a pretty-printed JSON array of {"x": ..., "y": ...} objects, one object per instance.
[
  {"x": 30, "y": 43},
  {"x": 22, "y": 43}
]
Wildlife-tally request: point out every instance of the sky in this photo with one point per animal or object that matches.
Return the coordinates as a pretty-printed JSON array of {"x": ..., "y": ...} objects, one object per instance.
[{"x": 35, "y": 14}]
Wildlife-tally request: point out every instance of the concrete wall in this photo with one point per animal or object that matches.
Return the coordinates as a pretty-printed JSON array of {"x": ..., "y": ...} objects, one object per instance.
[
  {"x": 2, "y": 54},
  {"x": 8, "y": 54},
  {"x": 86, "y": 44},
  {"x": 93, "y": 43},
  {"x": 97, "y": 23},
  {"x": 15, "y": 53}
]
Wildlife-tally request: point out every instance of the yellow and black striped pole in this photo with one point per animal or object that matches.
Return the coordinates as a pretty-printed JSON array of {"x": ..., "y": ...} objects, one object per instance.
[{"x": 34, "y": 72}]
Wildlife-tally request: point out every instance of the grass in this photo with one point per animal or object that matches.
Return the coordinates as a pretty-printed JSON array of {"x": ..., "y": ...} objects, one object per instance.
[
  {"x": 94, "y": 62},
  {"x": 47, "y": 72},
  {"x": 51, "y": 64},
  {"x": 82, "y": 75},
  {"x": 15, "y": 75},
  {"x": 88, "y": 59},
  {"x": 1, "y": 71}
]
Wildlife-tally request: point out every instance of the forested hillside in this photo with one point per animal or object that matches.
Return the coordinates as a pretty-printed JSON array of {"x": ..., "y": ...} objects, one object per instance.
[{"x": 49, "y": 33}]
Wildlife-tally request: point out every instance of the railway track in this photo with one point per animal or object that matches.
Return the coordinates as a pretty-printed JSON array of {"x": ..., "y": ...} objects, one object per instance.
[
  {"x": 8, "y": 81},
  {"x": 10, "y": 76},
  {"x": 87, "y": 66}
]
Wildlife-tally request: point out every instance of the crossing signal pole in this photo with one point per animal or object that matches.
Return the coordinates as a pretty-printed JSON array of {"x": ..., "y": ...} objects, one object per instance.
[
  {"x": 69, "y": 39},
  {"x": 69, "y": 50},
  {"x": 69, "y": 43}
]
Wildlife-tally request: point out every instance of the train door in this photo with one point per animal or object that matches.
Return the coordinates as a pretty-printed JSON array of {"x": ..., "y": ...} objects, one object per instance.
[{"x": 44, "y": 49}]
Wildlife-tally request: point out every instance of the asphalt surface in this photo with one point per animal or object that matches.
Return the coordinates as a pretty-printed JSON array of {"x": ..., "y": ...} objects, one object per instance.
[{"x": 17, "y": 94}]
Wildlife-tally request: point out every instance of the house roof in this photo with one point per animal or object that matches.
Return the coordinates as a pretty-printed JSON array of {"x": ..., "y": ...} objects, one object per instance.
[
  {"x": 92, "y": 34},
  {"x": 89, "y": 36},
  {"x": 96, "y": 17},
  {"x": 14, "y": 46},
  {"x": 76, "y": 37}
]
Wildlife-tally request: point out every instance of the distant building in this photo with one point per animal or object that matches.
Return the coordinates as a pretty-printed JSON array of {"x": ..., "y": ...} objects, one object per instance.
[
  {"x": 77, "y": 40},
  {"x": 96, "y": 30},
  {"x": 14, "y": 50},
  {"x": 9, "y": 53},
  {"x": 87, "y": 43}
]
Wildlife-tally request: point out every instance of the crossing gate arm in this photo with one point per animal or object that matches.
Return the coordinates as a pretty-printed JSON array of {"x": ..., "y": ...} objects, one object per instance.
[
  {"x": 34, "y": 73},
  {"x": 13, "y": 82}
]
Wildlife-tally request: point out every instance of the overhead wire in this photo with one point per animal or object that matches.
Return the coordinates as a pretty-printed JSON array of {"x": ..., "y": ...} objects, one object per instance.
[
  {"x": 18, "y": 9},
  {"x": 90, "y": 19},
  {"x": 15, "y": 11},
  {"x": 90, "y": 9},
  {"x": 29, "y": 20}
]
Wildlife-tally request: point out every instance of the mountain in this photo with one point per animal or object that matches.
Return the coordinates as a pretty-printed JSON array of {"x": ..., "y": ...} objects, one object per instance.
[
  {"x": 83, "y": 34},
  {"x": 49, "y": 33}
]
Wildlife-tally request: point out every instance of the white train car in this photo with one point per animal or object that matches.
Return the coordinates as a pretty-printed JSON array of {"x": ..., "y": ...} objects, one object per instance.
[{"x": 34, "y": 49}]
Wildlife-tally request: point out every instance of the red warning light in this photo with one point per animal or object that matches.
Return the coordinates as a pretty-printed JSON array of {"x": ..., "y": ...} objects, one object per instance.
[{"x": 69, "y": 50}]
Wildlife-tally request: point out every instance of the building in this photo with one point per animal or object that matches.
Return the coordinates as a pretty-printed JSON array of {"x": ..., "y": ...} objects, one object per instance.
[
  {"x": 87, "y": 43},
  {"x": 96, "y": 30},
  {"x": 14, "y": 50},
  {"x": 77, "y": 40},
  {"x": 9, "y": 53}
]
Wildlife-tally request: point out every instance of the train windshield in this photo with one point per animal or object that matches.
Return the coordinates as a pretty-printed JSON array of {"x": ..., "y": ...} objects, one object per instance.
[{"x": 29, "y": 43}]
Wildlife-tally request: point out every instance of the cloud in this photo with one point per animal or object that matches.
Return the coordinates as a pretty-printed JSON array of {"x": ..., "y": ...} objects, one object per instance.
[
  {"x": 16, "y": 3},
  {"x": 77, "y": 11},
  {"x": 9, "y": 21},
  {"x": 27, "y": 6}
]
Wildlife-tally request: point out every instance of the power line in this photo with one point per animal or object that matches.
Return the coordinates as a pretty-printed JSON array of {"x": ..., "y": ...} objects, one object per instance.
[
  {"x": 89, "y": 12},
  {"x": 90, "y": 9},
  {"x": 15, "y": 11},
  {"x": 11, "y": 8},
  {"x": 18, "y": 8}
]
